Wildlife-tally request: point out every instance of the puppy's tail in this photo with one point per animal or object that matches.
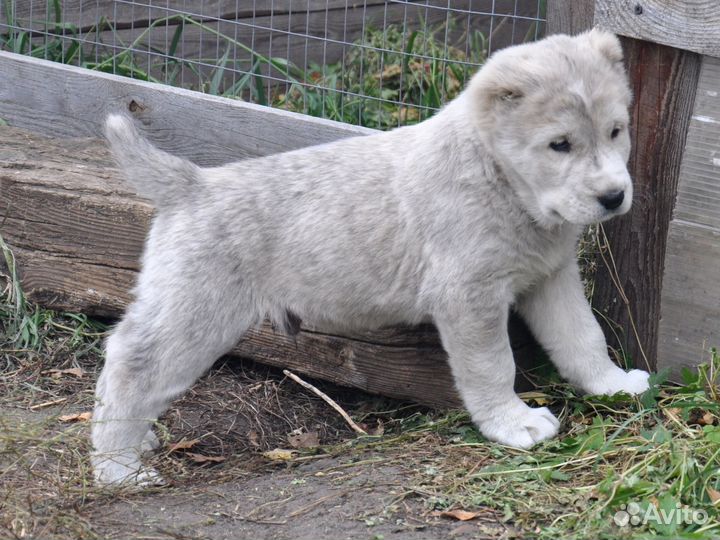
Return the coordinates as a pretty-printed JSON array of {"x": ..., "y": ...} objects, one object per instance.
[{"x": 157, "y": 175}]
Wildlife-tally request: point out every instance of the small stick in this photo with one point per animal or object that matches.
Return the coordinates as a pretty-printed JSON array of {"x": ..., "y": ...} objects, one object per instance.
[
  {"x": 47, "y": 404},
  {"x": 328, "y": 400}
]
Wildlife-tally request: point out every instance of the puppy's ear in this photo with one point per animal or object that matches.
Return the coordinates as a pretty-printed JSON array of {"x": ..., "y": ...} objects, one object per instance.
[
  {"x": 506, "y": 94},
  {"x": 607, "y": 44},
  {"x": 500, "y": 89}
]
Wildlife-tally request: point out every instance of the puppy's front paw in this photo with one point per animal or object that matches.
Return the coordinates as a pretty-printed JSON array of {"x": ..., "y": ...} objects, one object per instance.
[
  {"x": 520, "y": 426},
  {"x": 617, "y": 380}
]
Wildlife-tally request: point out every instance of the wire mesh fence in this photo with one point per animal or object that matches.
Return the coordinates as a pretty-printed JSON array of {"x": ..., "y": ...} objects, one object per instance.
[{"x": 371, "y": 62}]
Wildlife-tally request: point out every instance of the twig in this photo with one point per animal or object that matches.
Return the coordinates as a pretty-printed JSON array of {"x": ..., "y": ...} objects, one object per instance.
[
  {"x": 47, "y": 404},
  {"x": 615, "y": 277},
  {"x": 318, "y": 502},
  {"x": 327, "y": 400}
]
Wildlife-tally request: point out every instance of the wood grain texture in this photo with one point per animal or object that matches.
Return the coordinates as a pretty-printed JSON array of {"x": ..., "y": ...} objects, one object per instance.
[
  {"x": 79, "y": 250},
  {"x": 690, "y": 300},
  {"x": 569, "y": 16},
  {"x": 693, "y": 25},
  {"x": 139, "y": 13},
  {"x": 207, "y": 129},
  {"x": 663, "y": 80}
]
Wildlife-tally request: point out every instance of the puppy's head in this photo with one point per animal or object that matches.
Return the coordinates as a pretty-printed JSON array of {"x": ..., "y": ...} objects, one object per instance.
[{"x": 554, "y": 114}]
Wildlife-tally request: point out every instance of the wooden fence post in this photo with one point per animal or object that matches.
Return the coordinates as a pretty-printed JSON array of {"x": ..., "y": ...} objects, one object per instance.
[{"x": 664, "y": 79}]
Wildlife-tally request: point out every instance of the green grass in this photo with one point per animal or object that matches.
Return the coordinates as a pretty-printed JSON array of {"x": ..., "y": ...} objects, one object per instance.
[
  {"x": 659, "y": 452},
  {"x": 27, "y": 330}
]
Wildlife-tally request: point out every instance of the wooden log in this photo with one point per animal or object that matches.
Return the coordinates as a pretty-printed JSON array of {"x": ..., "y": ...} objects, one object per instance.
[{"x": 77, "y": 233}]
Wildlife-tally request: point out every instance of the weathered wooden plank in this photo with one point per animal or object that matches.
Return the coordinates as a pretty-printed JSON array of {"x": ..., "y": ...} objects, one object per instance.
[
  {"x": 79, "y": 252},
  {"x": 66, "y": 101},
  {"x": 663, "y": 80},
  {"x": 570, "y": 16},
  {"x": 138, "y": 13},
  {"x": 690, "y": 299},
  {"x": 698, "y": 198},
  {"x": 690, "y": 324},
  {"x": 693, "y": 25}
]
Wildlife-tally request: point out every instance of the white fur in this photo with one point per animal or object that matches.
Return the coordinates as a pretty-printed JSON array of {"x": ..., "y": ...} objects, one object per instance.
[{"x": 454, "y": 220}]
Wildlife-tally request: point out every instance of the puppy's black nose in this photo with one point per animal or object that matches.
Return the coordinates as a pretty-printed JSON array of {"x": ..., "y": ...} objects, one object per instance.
[{"x": 612, "y": 199}]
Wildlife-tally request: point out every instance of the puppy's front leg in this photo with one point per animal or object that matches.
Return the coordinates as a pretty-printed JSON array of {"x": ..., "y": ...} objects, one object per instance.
[
  {"x": 560, "y": 317},
  {"x": 484, "y": 370}
]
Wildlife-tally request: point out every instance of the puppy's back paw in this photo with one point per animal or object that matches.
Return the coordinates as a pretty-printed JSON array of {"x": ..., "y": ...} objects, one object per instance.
[
  {"x": 521, "y": 426},
  {"x": 114, "y": 473},
  {"x": 149, "y": 444}
]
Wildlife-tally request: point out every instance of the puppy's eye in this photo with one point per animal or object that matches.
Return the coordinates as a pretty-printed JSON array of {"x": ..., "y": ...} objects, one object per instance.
[
  {"x": 615, "y": 132},
  {"x": 561, "y": 145}
]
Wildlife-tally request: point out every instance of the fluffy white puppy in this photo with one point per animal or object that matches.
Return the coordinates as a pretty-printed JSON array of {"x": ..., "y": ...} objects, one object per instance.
[{"x": 453, "y": 220}]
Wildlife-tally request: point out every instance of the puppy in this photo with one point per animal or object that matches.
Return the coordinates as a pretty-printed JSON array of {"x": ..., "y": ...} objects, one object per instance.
[{"x": 452, "y": 220}]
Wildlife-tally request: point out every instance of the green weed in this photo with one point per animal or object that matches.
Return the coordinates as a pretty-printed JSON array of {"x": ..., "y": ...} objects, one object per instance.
[
  {"x": 653, "y": 458},
  {"x": 30, "y": 335},
  {"x": 388, "y": 78}
]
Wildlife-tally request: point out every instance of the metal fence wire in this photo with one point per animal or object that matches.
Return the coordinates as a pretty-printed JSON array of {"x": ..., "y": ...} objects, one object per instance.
[{"x": 376, "y": 63}]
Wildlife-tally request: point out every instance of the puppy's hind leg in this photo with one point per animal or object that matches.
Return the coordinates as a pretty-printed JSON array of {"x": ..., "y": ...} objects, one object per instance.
[{"x": 169, "y": 337}]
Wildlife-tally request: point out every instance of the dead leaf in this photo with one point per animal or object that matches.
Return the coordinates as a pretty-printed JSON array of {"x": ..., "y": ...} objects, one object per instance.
[
  {"x": 463, "y": 530},
  {"x": 309, "y": 439},
  {"x": 714, "y": 495},
  {"x": 183, "y": 445},
  {"x": 706, "y": 419},
  {"x": 77, "y": 417},
  {"x": 199, "y": 458},
  {"x": 279, "y": 454},
  {"x": 254, "y": 438},
  {"x": 378, "y": 430},
  {"x": 57, "y": 373},
  {"x": 460, "y": 515}
]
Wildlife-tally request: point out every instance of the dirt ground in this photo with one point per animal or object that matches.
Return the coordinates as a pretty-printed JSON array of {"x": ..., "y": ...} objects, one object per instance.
[{"x": 222, "y": 482}]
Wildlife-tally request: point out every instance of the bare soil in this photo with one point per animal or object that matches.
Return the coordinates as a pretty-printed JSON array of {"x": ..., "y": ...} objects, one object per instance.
[{"x": 222, "y": 484}]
